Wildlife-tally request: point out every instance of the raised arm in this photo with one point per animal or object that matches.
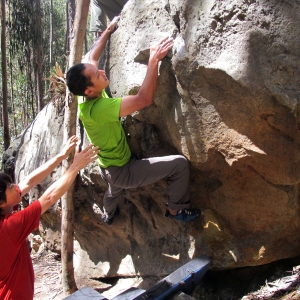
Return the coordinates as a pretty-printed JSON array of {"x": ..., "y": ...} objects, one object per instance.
[
  {"x": 58, "y": 188},
  {"x": 93, "y": 55},
  {"x": 145, "y": 95},
  {"x": 39, "y": 174}
]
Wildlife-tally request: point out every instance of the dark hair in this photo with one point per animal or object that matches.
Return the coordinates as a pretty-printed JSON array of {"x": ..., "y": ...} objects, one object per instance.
[
  {"x": 5, "y": 180},
  {"x": 76, "y": 81}
]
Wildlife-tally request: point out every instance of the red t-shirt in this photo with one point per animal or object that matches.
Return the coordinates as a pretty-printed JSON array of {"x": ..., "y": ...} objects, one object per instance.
[{"x": 16, "y": 270}]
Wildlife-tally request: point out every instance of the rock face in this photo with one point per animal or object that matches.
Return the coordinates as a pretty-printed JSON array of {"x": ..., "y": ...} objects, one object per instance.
[{"x": 227, "y": 99}]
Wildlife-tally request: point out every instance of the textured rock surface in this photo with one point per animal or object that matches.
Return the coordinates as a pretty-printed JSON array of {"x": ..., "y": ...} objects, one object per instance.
[{"x": 227, "y": 99}]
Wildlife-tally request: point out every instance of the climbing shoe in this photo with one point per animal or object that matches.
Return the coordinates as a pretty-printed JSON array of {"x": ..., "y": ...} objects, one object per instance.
[
  {"x": 110, "y": 220},
  {"x": 185, "y": 215}
]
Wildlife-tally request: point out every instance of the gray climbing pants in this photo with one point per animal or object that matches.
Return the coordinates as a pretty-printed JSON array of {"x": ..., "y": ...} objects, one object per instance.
[
  {"x": 140, "y": 172},
  {"x": 103, "y": 9}
]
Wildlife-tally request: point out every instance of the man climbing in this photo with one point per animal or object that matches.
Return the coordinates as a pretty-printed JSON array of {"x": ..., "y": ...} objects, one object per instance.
[
  {"x": 100, "y": 116},
  {"x": 16, "y": 270}
]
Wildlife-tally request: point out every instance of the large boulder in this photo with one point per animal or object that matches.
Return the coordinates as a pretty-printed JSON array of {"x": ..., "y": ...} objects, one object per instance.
[{"x": 227, "y": 98}]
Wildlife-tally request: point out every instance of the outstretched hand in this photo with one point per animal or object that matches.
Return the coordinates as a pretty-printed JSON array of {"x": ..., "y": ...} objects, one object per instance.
[
  {"x": 160, "y": 50},
  {"x": 87, "y": 155},
  {"x": 58, "y": 188},
  {"x": 69, "y": 146},
  {"x": 112, "y": 25}
]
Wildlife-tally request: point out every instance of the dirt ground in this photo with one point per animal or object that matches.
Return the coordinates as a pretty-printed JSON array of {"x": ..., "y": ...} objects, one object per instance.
[
  {"x": 47, "y": 266},
  {"x": 48, "y": 286},
  {"x": 47, "y": 269}
]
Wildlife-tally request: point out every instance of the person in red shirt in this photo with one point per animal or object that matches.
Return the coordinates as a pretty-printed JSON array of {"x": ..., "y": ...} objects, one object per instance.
[{"x": 16, "y": 269}]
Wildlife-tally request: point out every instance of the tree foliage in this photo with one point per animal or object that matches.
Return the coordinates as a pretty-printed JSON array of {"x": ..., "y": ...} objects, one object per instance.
[
  {"x": 28, "y": 27},
  {"x": 28, "y": 35}
]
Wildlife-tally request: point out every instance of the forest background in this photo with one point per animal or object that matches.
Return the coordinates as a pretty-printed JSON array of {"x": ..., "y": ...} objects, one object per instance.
[{"x": 35, "y": 45}]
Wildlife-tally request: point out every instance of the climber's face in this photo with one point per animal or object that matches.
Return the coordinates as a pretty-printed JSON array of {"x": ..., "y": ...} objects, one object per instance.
[{"x": 98, "y": 79}]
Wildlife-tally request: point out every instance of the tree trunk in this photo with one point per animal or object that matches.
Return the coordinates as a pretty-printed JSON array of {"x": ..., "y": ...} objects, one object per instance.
[
  {"x": 30, "y": 99},
  {"x": 15, "y": 132},
  {"x": 70, "y": 21},
  {"x": 37, "y": 50},
  {"x": 51, "y": 34},
  {"x": 67, "y": 224},
  {"x": 6, "y": 135},
  {"x": 12, "y": 98}
]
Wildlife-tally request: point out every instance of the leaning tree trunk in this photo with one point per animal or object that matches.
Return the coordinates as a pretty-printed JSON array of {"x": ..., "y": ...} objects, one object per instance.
[
  {"x": 6, "y": 135},
  {"x": 67, "y": 226}
]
